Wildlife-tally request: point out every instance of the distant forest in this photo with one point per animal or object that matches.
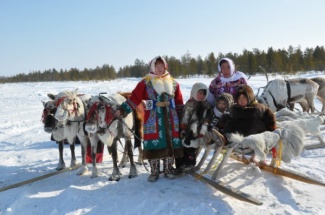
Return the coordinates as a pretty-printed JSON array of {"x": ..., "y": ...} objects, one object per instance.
[{"x": 281, "y": 61}]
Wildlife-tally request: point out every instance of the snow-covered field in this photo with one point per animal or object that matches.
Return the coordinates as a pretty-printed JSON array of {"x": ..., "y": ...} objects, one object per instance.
[{"x": 26, "y": 151}]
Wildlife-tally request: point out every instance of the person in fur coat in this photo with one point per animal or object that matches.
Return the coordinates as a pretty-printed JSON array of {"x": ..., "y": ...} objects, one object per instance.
[
  {"x": 247, "y": 116},
  {"x": 227, "y": 80},
  {"x": 164, "y": 101},
  {"x": 196, "y": 112}
]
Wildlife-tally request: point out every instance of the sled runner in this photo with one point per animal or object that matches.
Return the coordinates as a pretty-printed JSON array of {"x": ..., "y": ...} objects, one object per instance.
[{"x": 39, "y": 178}]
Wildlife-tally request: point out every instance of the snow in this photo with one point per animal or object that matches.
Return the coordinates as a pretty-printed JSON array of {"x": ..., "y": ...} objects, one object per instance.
[{"x": 26, "y": 151}]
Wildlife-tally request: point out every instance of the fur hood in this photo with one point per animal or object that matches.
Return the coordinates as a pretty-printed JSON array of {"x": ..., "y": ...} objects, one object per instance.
[
  {"x": 231, "y": 64},
  {"x": 227, "y": 97},
  {"x": 196, "y": 87},
  {"x": 247, "y": 91}
]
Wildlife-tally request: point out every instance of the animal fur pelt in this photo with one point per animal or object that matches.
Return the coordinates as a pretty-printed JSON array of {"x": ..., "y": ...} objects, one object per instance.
[
  {"x": 291, "y": 136},
  {"x": 307, "y": 122},
  {"x": 278, "y": 93}
]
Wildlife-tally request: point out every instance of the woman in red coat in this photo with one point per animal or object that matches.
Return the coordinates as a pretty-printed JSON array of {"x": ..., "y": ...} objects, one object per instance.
[{"x": 164, "y": 102}]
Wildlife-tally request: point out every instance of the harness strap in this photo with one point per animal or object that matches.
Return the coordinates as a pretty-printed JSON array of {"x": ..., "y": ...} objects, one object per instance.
[{"x": 288, "y": 90}]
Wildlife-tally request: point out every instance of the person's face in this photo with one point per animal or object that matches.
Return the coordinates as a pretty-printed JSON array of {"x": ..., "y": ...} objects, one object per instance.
[
  {"x": 221, "y": 105},
  {"x": 225, "y": 69},
  {"x": 242, "y": 101},
  {"x": 200, "y": 95},
  {"x": 159, "y": 68}
]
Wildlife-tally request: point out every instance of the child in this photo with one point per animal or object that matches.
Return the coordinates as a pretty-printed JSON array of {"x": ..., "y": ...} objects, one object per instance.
[
  {"x": 222, "y": 104},
  {"x": 195, "y": 113},
  {"x": 247, "y": 116}
]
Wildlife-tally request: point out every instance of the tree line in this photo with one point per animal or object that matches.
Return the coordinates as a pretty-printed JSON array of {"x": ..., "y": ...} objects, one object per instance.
[{"x": 284, "y": 61}]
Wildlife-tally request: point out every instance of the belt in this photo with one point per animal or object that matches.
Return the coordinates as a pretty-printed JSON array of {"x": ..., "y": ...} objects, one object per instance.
[{"x": 162, "y": 104}]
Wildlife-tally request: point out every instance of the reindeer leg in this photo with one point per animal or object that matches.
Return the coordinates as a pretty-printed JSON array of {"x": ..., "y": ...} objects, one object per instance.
[
  {"x": 133, "y": 169},
  {"x": 140, "y": 157},
  {"x": 116, "y": 172},
  {"x": 94, "y": 142},
  {"x": 124, "y": 159},
  {"x": 73, "y": 161},
  {"x": 61, "y": 164},
  {"x": 83, "y": 142}
]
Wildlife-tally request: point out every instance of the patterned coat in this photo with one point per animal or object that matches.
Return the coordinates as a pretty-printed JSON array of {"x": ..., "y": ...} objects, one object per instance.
[
  {"x": 222, "y": 84},
  {"x": 161, "y": 123}
]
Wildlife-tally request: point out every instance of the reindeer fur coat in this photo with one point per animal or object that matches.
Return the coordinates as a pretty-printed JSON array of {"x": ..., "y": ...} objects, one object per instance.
[{"x": 251, "y": 119}]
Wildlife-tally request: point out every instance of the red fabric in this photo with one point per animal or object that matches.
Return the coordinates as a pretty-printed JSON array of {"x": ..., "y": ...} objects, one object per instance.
[
  {"x": 140, "y": 93},
  {"x": 274, "y": 152},
  {"x": 99, "y": 153}
]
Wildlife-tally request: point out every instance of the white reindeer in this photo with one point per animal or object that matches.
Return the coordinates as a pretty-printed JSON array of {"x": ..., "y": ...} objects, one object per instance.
[
  {"x": 278, "y": 93},
  {"x": 71, "y": 112},
  {"x": 101, "y": 125},
  {"x": 56, "y": 129}
]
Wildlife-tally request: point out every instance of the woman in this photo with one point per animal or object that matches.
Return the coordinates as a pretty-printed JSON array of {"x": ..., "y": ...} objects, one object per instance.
[
  {"x": 164, "y": 102},
  {"x": 227, "y": 81}
]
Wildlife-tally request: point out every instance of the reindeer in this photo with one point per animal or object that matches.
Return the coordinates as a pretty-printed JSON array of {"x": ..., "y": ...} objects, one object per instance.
[
  {"x": 278, "y": 93},
  {"x": 71, "y": 112},
  {"x": 52, "y": 126},
  {"x": 320, "y": 94},
  {"x": 102, "y": 125},
  {"x": 56, "y": 128}
]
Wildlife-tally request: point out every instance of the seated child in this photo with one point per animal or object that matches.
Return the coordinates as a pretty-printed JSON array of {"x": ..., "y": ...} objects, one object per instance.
[
  {"x": 222, "y": 104},
  {"x": 196, "y": 112},
  {"x": 247, "y": 116}
]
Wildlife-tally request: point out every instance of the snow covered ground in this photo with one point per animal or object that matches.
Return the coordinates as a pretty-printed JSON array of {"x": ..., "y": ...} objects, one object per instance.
[{"x": 26, "y": 151}]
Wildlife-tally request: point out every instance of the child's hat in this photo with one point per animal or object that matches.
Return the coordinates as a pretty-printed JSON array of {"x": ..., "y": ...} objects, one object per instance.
[
  {"x": 245, "y": 90},
  {"x": 227, "y": 97}
]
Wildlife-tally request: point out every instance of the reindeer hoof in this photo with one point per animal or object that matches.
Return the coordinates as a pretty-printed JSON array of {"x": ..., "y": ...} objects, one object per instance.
[
  {"x": 132, "y": 176},
  {"x": 114, "y": 178}
]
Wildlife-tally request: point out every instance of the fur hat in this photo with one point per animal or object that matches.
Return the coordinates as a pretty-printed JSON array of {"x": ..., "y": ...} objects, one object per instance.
[
  {"x": 227, "y": 97},
  {"x": 245, "y": 90},
  {"x": 199, "y": 86},
  {"x": 153, "y": 64},
  {"x": 231, "y": 64}
]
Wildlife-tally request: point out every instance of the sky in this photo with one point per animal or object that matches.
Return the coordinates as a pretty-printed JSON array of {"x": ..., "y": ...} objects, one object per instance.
[
  {"x": 26, "y": 151},
  {"x": 39, "y": 35}
]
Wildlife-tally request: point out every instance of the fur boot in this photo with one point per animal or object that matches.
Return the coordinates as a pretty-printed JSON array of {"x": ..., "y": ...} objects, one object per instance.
[
  {"x": 155, "y": 168},
  {"x": 168, "y": 168}
]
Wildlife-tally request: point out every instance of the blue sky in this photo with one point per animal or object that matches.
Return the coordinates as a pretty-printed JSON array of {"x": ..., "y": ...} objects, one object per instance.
[{"x": 36, "y": 35}]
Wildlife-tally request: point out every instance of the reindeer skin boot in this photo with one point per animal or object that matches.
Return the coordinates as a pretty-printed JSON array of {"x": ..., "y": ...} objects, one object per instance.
[
  {"x": 155, "y": 166},
  {"x": 168, "y": 168}
]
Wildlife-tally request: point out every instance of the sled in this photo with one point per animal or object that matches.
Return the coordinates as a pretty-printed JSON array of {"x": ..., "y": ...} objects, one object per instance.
[{"x": 212, "y": 181}]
